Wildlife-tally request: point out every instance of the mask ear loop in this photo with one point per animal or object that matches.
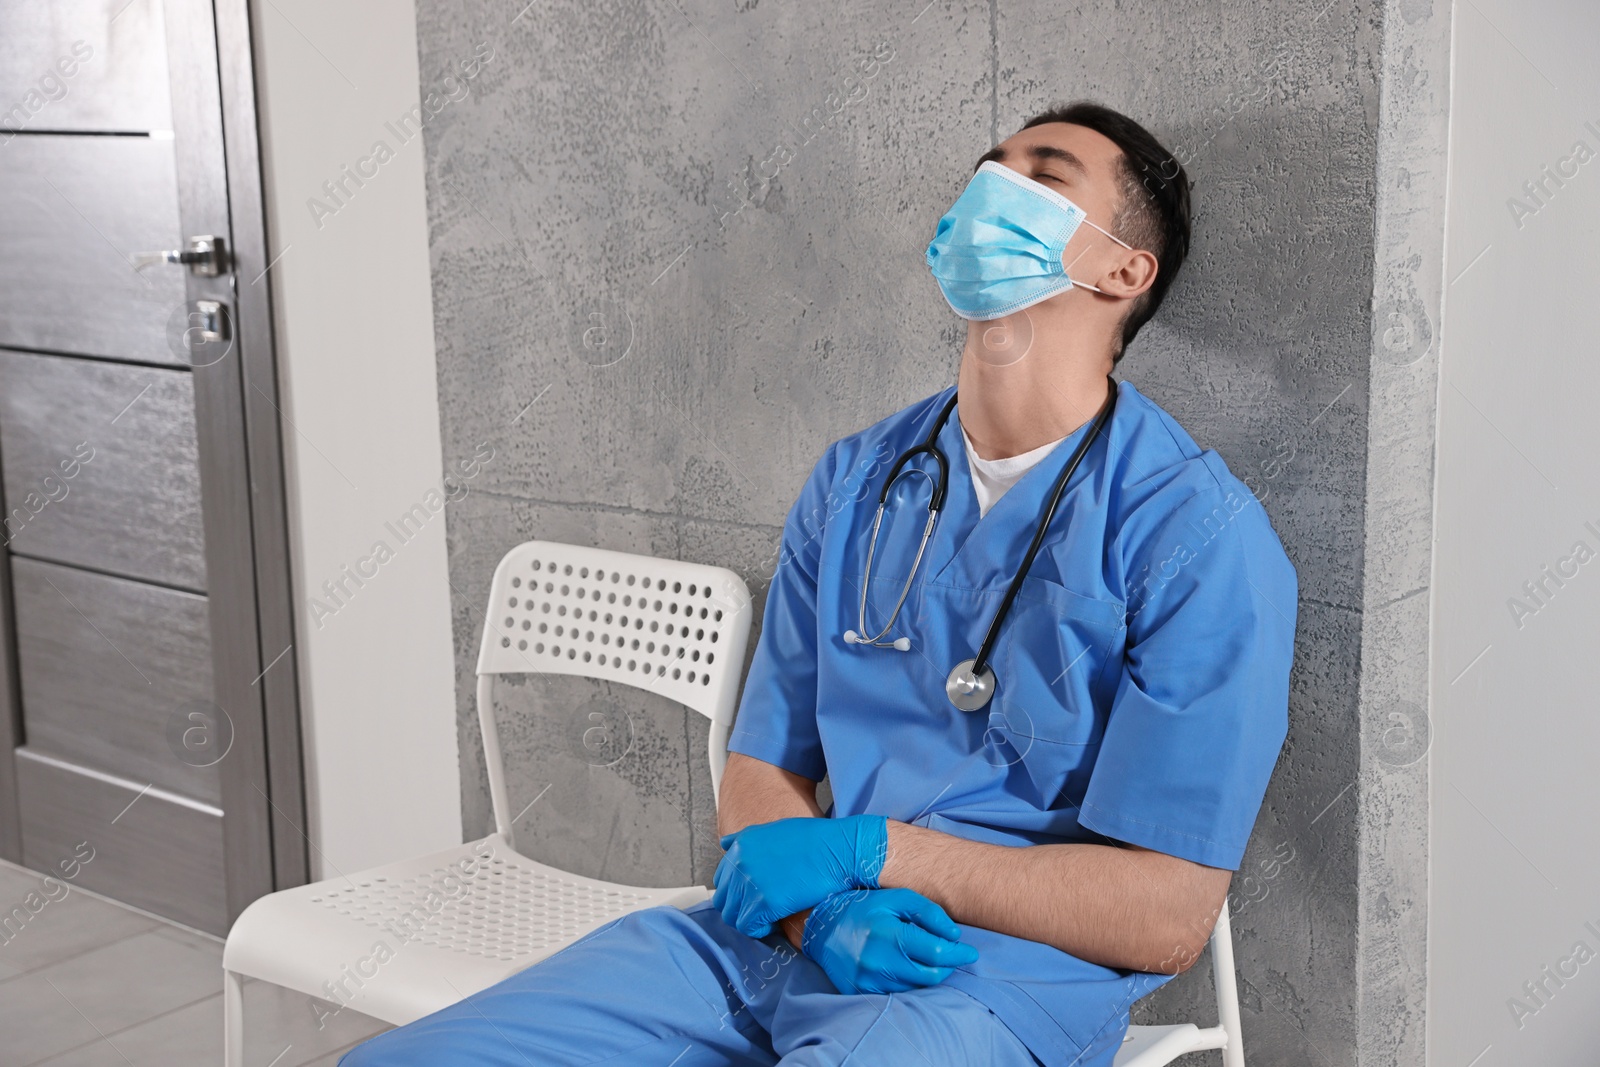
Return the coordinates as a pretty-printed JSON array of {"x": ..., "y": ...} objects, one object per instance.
[
  {"x": 1086, "y": 285},
  {"x": 1113, "y": 236}
]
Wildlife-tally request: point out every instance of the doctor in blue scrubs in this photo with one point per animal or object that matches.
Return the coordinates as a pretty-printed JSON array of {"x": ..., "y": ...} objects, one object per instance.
[{"x": 1037, "y": 639}]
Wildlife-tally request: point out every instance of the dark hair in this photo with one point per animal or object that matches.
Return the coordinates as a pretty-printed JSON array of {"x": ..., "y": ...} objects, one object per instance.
[{"x": 1154, "y": 214}]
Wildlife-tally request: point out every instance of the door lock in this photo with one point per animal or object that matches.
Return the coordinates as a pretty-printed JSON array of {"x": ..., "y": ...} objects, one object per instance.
[
  {"x": 205, "y": 256},
  {"x": 200, "y": 332},
  {"x": 209, "y": 323}
]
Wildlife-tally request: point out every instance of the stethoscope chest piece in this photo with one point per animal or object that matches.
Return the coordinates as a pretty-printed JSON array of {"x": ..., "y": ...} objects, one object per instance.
[{"x": 967, "y": 691}]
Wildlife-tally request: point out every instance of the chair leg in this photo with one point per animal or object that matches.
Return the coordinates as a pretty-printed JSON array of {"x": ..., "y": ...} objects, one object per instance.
[{"x": 232, "y": 1019}]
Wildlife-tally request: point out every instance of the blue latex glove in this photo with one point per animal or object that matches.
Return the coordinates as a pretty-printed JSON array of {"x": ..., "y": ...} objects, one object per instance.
[
  {"x": 884, "y": 941},
  {"x": 774, "y": 869}
]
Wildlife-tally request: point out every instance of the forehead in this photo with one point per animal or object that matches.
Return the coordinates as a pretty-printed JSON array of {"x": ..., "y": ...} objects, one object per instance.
[{"x": 1099, "y": 153}]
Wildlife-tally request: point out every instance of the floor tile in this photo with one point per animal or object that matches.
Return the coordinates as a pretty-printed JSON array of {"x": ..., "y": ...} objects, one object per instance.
[
  {"x": 188, "y": 1037},
  {"x": 185, "y": 936},
  {"x": 192, "y": 1036},
  {"x": 137, "y": 979},
  {"x": 331, "y": 1059},
  {"x": 85, "y": 982},
  {"x": 276, "y": 1017},
  {"x": 37, "y": 1022},
  {"x": 60, "y": 928},
  {"x": 59, "y": 1007},
  {"x": 15, "y": 881}
]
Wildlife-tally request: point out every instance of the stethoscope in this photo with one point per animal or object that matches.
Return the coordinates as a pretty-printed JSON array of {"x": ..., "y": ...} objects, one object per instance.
[{"x": 971, "y": 682}]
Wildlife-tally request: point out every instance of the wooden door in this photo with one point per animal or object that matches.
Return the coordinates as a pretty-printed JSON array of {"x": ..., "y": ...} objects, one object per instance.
[{"x": 147, "y": 683}]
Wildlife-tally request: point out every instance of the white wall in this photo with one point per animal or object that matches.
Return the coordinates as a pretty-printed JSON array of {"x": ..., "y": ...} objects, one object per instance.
[
  {"x": 1516, "y": 749},
  {"x": 355, "y": 350}
]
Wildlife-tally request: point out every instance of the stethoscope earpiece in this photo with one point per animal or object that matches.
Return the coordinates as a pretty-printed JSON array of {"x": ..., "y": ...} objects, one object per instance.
[{"x": 899, "y": 644}]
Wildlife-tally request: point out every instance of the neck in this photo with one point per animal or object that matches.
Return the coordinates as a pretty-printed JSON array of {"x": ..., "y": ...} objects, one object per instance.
[{"x": 1012, "y": 404}]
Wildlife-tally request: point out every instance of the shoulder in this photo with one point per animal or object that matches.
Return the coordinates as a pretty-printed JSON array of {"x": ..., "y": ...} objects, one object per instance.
[
  {"x": 857, "y": 461},
  {"x": 1173, "y": 490},
  {"x": 869, "y": 451},
  {"x": 892, "y": 434},
  {"x": 1154, "y": 458}
]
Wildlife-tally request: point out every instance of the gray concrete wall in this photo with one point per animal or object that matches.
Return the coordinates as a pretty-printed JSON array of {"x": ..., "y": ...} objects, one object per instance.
[{"x": 677, "y": 250}]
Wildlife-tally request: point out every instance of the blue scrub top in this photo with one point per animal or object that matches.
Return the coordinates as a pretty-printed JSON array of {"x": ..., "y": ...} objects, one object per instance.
[{"x": 1142, "y": 674}]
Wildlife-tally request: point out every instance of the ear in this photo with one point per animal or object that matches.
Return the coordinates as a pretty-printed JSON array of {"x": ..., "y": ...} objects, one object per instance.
[{"x": 1132, "y": 272}]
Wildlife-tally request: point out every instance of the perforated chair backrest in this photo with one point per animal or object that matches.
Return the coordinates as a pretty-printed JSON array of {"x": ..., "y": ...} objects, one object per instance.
[{"x": 666, "y": 626}]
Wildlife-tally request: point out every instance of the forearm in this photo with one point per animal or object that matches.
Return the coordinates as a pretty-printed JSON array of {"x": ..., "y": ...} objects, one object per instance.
[
  {"x": 1118, "y": 907},
  {"x": 754, "y": 791}
]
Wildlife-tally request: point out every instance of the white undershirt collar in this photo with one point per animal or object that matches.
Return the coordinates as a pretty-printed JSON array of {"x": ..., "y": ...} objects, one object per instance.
[{"x": 992, "y": 477}]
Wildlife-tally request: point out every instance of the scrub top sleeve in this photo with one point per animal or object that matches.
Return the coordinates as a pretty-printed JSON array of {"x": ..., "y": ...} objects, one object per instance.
[
  {"x": 1201, "y": 709},
  {"x": 777, "y": 719}
]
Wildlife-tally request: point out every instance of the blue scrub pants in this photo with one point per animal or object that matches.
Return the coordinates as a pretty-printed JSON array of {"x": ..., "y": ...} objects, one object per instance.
[{"x": 670, "y": 987}]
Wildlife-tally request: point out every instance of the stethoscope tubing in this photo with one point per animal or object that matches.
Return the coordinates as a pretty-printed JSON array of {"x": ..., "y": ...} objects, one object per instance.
[
  {"x": 927, "y": 530},
  {"x": 931, "y": 448},
  {"x": 1110, "y": 404},
  {"x": 936, "y": 501}
]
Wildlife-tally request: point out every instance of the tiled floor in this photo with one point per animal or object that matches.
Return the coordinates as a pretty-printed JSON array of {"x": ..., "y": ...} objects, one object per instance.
[{"x": 86, "y": 982}]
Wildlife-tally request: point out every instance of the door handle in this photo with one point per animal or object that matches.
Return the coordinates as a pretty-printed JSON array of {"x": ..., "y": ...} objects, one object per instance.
[{"x": 205, "y": 256}]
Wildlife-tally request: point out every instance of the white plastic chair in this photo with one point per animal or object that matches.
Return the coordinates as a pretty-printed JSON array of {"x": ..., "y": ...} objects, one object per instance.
[
  {"x": 460, "y": 920},
  {"x": 1156, "y": 1046}
]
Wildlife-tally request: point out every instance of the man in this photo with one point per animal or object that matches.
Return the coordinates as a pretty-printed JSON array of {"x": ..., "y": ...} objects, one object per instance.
[{"x": 1018, "y": 849}]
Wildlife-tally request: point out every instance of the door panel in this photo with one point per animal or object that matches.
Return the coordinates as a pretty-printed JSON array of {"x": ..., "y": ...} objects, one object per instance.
[
  {"x": 133, "y": 508},
  {"x": 108, "y": 667},
  {"x": 155, "y": 851},
  {"x": 77, "y": 209},
  {"x": 83, "y": 65},
  {"x": 145, "y": 569}
]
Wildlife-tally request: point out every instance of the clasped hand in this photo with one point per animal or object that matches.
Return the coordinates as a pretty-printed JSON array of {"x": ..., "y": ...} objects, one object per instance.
[
  {"x": 866, "y": 939},
  {"x": 884, "y": 941},
  {"x": 774, "y": 869}
]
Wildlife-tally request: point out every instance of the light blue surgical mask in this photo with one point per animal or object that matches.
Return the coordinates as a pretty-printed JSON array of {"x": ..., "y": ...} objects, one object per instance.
[{"x": 999, "y": 247}]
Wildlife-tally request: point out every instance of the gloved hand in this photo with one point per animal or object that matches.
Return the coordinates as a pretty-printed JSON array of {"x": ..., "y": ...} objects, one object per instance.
[
  {"x": 777, "y": 868},
  {"x": 884, "y": 941}
]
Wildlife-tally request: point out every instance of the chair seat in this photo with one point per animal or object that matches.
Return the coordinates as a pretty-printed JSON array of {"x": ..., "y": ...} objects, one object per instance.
[
  {"x": 402, "y": 941},
  {"x": 1155, "y": 1046}
]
